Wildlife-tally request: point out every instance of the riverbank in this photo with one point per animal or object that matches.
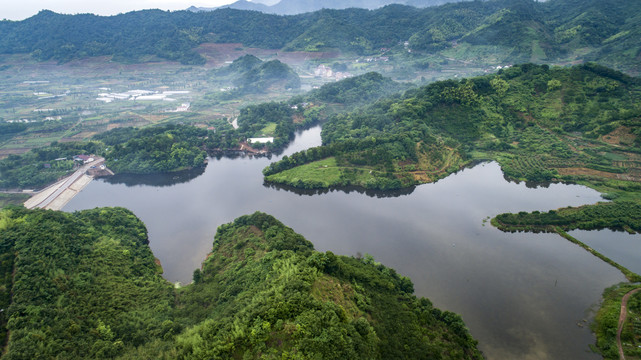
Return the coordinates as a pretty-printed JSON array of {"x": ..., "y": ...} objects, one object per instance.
[
  {"x": 69, "y": 193},
  {"x": 614, "y": 325},
  {"x": 59, "y": 201}
]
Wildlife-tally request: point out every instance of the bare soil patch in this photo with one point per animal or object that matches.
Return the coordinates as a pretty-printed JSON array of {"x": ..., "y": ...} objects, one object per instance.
[
  {"x": 421, "y": 176},
  {"x": 622, "y": 317},
  {"x": 154, "y": 118},
  {"x": 620, "y": 136},
  {"x": 298, "y": 119},
  {"x": 218, "y": 54},
  {"x": 16, "y": 151},
  {"x": 575, "y": 171}
]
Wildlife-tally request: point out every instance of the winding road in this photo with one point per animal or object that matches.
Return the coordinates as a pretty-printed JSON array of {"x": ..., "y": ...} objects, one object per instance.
[{"x": 622, "y": 317}]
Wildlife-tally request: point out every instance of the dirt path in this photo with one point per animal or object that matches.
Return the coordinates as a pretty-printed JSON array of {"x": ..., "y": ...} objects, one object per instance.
[{"x": 622, "y": 317}]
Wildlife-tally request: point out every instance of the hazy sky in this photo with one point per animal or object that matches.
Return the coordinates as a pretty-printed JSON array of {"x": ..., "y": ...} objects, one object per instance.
[{"x": 22, "y": 9}]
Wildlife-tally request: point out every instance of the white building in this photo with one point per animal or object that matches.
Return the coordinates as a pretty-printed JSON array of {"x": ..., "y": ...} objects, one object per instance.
[{"x": 263, "y": 140}]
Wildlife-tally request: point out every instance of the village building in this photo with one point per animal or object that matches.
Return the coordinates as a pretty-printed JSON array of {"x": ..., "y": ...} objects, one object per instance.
[
  {"x": 83, "y": 158},
  {"x": 263, "y": 140}
]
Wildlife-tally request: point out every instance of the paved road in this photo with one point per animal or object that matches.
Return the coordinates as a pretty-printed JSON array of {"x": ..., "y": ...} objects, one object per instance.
[
  {"x": 69, "y": 181},
  {"x": 624, "y": 314}
]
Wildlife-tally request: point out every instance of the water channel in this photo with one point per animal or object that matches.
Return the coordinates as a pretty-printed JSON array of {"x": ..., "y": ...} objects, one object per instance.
[{"x": 523, "y": 296}]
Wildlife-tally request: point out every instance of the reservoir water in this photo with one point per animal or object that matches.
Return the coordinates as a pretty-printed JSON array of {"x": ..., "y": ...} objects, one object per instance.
[
  {"x": 619, "y": 246},
  {"x": 523, "y": 296}
]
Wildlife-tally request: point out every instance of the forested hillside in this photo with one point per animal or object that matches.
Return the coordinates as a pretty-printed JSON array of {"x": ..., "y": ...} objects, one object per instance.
[
  {"x": 81, "y": 285},
  {"x": 86, "y": 286},
  {"x": 249, "y": 74},
  {"x": 42, "y": 166},
  {"x": 540, "y": 123},
  {"x": 580, "y": 124},
  {"x": 155, "y": 149},
  {"x": 354, "y": 91},
  {"x": 502, "y": 30}
]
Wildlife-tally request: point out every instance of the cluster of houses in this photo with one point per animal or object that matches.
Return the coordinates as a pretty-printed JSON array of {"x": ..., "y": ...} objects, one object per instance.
[
  {"x": 182, "y": 108},
  {"x": 496, "y": 68},
  {"x": 134, "y": 95},
  {"x": 326, "y": 72},
  {"x": 304, "y": 105},
  {"x": 27, "y": 121},
  {"x": 83, "y": 158}
]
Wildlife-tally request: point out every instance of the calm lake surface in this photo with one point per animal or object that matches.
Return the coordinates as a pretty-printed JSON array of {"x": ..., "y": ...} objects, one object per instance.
[
  {"x": 523, "y": 296},
  {"x": 619, "y": 246}
]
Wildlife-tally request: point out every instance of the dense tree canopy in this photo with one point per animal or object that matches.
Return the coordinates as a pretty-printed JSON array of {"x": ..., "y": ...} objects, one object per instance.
[
  {"x": 357, "y": 90},
  {"x": 85, "y": 285},
  {"x": 155, "y": 149},
  {"x": 540, "y": 123},
  {"x": 249, "y": 74},
  {"x": 41, "y": 166},
  {"x": 81, "y": 285},
  {"x": 522, "y": 30}
]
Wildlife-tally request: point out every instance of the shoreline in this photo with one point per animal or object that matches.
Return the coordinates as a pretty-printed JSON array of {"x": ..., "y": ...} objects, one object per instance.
[
  {"x": 56, "y": 196},
  {"x": 65, "y": 197},
  {"x": 61, "y": 199}
]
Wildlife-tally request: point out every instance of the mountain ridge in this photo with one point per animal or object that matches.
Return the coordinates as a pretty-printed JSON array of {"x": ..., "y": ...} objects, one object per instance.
[
  {"x": 294, "y": 7},
  {"x": 510, "y": 31}
]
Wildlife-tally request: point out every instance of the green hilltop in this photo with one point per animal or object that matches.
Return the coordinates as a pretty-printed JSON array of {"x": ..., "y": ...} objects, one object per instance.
[
  {"x": 86, "y": 285},
  {"x": 249, "y": 74}
]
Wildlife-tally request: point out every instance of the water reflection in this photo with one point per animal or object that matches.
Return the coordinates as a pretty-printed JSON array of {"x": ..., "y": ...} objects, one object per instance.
[
  {"x": 620, "y": 246},
  {"x": 345, "y": 189},
  {"x": 156, "y": 180},
  {"x": 522, "y": 295},
  {"x": 236, "y": 154}
]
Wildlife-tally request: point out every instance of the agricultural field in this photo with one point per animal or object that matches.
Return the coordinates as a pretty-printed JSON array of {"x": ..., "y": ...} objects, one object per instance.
[{"x": 43, "y": 102}]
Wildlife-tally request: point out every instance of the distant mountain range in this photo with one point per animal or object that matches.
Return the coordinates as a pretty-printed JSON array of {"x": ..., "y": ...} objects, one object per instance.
[
  {"x": 494, "y": 31},
  {"x": 293, "y": 7}
]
